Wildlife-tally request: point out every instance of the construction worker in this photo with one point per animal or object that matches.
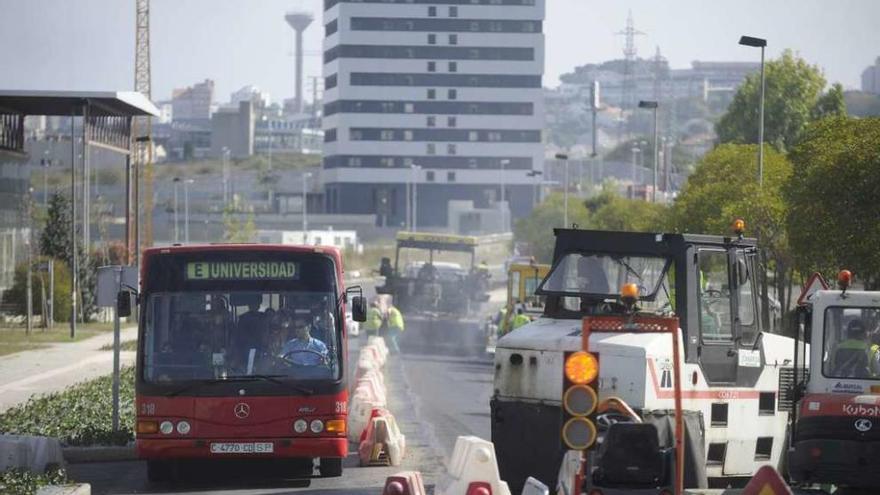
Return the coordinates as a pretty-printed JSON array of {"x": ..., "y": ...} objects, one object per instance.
[
  {"x": 374, "y": 319},
  {"x": 501, "y": 321},
  {"x": 520, "y": 319},
  {"x": 395, "y": 328},
  {"x": 851, "y": 357}
]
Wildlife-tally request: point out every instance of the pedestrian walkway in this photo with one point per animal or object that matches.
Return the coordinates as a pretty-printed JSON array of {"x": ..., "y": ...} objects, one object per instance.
[{"x": 57, "y": 367}]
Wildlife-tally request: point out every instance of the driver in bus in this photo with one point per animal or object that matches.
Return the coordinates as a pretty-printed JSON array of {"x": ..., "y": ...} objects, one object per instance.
[{"x": 303, "y": 349}]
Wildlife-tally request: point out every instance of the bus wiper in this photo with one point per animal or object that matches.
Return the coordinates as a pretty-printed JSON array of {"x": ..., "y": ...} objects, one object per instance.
[
  {"x": 242, "y": 378},
  {"x": 193, "y": 385},
  {"x": 272, "y": 379}
]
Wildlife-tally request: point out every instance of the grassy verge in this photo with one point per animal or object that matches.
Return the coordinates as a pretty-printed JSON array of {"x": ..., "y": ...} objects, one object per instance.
[
  {"x": 80, "y": 415},
  {"x": 13, "y": 338},
  {"x": 21, "y": 482},
  {"x": 128, "y": 345}
]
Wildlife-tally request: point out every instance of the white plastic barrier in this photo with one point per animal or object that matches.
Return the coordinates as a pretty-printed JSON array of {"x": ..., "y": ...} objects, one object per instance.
[
  {"x": 535, "y": 487},
  {"x": 382, "y": 443},
  {"x": 375, "y": 388},
  {"x": 472, "y": 462},
  {"x": 568, "y": 469},
  {"x": 379, "y": 342},
  {"x": 29, "y": 452},
  {"x": 404, "y": 483},
  {"x": 362, "y": 405}
]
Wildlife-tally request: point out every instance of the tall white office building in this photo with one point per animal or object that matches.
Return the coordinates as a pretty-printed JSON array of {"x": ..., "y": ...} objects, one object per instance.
[{"x": 445, "y": 94}]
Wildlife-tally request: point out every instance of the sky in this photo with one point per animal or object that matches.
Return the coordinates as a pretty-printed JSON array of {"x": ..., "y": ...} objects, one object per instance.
[{"x": 89, "y": 44}]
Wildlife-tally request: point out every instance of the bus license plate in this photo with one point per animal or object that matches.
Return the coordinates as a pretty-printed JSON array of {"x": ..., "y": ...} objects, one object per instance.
[{"x": 242, "y": 448}]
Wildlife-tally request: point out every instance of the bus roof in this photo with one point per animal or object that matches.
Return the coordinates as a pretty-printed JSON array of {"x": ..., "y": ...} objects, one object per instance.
[{"x": 293, "y": 248}]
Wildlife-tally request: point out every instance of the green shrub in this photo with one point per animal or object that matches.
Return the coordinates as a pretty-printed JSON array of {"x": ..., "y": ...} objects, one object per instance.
[
  {"x": 80, "y": 415},
  {"x": 23, "y": 482}
]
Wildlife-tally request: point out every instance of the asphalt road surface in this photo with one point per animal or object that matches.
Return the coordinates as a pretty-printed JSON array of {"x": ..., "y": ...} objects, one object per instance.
[{"x": 434, "y": 397}]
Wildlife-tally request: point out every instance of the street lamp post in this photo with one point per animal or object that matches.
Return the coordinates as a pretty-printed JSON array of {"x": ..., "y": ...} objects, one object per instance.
[
  {"x": 501, "y": 206},
  {"x": 225, "y": 156},
  {"x": 653, "y": 105},
  {"x": 305, "y": 207},
  {"x": 635, "y": 153},
  {"x": 564, "y": 158},
  {"x": 186, "y": 184},
  {"x": 176, "y": 223},
  {"x": 415, "y": 196},
  {"x": 535, "y": 174},
  {"x": 762, "y": 44}
]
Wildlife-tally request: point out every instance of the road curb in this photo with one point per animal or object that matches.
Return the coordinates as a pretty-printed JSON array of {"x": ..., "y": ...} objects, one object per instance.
[
  {"x": 78, "y": 489},
  {"x": 102, "y": 453}
]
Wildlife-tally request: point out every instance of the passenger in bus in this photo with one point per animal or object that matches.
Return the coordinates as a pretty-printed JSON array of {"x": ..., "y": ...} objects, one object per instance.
[
  {"x": 303, "y": 349},
  {"x": 323, "y": 321}
]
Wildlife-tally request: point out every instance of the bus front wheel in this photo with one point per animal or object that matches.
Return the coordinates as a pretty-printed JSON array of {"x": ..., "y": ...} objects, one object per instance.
[{"x": 330, "y": 467}]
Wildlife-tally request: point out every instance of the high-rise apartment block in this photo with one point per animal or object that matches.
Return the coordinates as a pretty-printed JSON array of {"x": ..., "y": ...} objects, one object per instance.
[{"x": 445, "y": 95}]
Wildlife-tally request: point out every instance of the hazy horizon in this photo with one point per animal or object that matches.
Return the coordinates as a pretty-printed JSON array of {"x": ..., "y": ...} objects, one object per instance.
[{"x": 89, "y": 44}]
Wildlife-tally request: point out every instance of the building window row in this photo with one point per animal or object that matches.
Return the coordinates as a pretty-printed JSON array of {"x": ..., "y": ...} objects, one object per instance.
[
  {"x": 430, "y": 52},
  {"x": 430, "y": 107},
  {"x": 455, "y": 25},
  {"x": 330, "y": 81},
  {"x": 331, "y": 27},
  {"x": 328, "y": 4},
  {"x": 459, "y": 162},
  {"x": 465, "y": 80},
  {"x": 444, "y": 135},
  {"x": 329, "y": 135}
]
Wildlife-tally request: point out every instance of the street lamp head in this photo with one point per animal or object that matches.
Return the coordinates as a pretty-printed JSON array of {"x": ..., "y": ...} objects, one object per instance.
[
  {"x": 648, "y": 104},
  {"x": 561, "y": 156},
  {"x": 751, "y": 41}
]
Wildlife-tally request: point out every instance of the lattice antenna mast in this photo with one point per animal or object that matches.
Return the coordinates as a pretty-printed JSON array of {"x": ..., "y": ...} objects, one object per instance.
[
  {"x": 629, "y": 59},
  {"x": 142, "y": 133}
]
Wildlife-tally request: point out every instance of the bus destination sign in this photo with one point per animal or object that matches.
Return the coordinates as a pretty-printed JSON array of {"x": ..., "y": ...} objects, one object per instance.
[{"x": 241, "y": 270}]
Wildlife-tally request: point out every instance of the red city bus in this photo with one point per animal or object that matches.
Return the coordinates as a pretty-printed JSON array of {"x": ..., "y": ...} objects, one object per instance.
[{"x": 242, "y": 355}]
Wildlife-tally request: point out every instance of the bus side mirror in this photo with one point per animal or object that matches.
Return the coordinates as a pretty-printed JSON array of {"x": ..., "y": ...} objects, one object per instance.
[
  {"x": 123, "y": 303},
  {"x": 358, "y": 308}
]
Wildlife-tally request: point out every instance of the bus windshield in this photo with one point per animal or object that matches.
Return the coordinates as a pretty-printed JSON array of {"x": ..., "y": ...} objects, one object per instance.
[{"x": 199, "y": 335}]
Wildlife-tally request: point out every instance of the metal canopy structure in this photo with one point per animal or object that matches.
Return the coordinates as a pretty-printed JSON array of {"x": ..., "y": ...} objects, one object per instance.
[{"x": 106, "y": 121}]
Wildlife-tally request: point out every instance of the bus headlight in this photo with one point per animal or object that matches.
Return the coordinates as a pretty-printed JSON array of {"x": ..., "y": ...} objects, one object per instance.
[
  {"x": 317, "y": 426},
  {"x": 300, "y": 426},
  {"x": 166, "y": 427},
  {"x": 183, "y": 427}
]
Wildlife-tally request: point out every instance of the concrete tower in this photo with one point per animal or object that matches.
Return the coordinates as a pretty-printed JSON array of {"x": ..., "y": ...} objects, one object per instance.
[{"x": 299, "y": 21}]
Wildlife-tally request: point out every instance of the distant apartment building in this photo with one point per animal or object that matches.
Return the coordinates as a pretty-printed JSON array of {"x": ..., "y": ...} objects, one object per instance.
[
  {"x": 445, "y": 95},
  {"x": 871, "y": 78},
  {"x": 193, "y": 103},
  {"x": 232, "y": 129},
  {"x": 253, "y": 94}
]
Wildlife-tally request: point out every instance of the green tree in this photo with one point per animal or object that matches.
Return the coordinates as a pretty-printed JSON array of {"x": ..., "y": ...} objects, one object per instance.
[
  {"x": 793, "y": 98},
  {"x": 238, "y": 222},
  {"x": 55, "y": 236},
  {"x": 833, "y": 199},
  {"x": 16, "y": 296},
  {"x": 55, "y": 242},
  {"x": 537, "y": 228},
  {"x": 723, "y": 187},
  {"x": 627, "y": 215}
]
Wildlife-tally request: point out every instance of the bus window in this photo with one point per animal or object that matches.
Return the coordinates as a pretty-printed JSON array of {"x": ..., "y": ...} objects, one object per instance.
[{"x": 199, "y": 335}]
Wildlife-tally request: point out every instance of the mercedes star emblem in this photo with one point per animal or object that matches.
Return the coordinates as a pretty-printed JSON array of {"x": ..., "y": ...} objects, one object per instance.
[
  {"x": 243, "y": 410},
  {"x": 863, "y": 425}
]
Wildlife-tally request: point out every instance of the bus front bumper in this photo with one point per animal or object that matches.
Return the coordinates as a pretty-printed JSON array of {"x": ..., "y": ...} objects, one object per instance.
[{"x": 227, "y": 448}]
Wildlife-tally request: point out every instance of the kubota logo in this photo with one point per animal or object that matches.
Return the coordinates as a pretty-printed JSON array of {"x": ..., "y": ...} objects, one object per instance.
[
  {"x": 863, "y": 425},
  {"x": 861, "y": 410},
  {"x": 241, "y": 410}
]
